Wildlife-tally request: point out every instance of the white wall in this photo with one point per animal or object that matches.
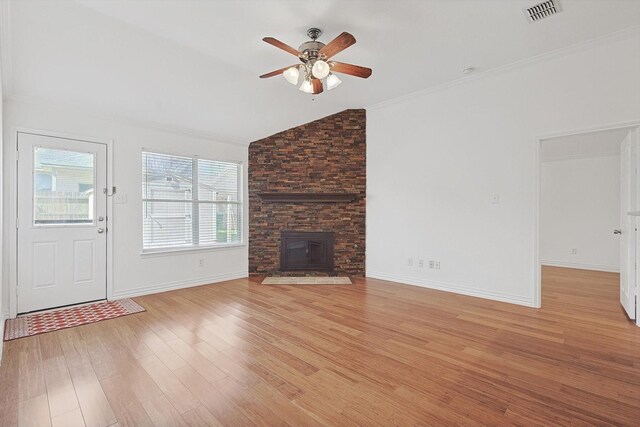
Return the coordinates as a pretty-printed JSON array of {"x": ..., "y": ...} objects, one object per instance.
[
  {"x": 579, "y": 209},
  {"x": 435, "y": 160},
  {"x": 133, "y": 273},
  {"x": 3, "y": 311}
]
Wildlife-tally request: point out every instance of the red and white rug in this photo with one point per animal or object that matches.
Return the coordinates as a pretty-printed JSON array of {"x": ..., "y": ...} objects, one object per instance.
[{"x": 40, "y": 323}]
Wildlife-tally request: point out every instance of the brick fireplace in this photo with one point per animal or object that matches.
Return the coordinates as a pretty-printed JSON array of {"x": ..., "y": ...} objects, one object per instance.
[{"x": 310, "y": 179}]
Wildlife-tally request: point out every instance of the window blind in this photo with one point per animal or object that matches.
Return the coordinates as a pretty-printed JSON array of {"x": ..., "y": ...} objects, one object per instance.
[{"x": 190, "y": 202}]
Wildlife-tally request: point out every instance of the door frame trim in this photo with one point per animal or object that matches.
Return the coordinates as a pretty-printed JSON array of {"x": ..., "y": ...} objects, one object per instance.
[
  {"x": 13, "y": 207},
  {"x": 537, "y": 140}
]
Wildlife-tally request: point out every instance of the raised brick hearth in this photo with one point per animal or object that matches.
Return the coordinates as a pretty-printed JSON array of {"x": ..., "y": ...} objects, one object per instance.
[{"x": 325, "y": 156}]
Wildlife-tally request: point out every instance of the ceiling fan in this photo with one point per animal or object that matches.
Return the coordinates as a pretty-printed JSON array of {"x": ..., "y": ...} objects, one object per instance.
[{"x": 317, "y": 63}]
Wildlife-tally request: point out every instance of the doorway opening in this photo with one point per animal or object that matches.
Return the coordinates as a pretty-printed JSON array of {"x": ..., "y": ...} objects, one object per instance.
[
  {"x": 62, "y": 246},
  {"x": 587, "y": 201}
]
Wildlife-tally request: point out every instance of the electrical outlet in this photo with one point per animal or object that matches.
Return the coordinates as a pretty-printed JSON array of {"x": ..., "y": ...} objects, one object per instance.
[
  {"x": 437, "y": 265},
  {"x": 421, "y": 263},
  {"x": 431, "y": 263},
  {"x": 201, "y": 262},
  {"x": 409, "y": 262},
  {"x": 574, "y": 251}
]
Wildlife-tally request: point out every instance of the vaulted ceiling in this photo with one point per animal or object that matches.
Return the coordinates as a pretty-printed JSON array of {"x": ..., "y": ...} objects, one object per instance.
[{"x": 195, "y": 64}]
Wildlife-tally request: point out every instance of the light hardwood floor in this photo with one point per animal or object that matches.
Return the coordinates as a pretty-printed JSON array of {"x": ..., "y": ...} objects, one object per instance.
[{"x": 372, "y": 353}]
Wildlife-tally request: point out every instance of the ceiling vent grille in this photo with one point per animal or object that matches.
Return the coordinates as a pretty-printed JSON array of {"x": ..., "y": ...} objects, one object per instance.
[{"x": 542, "y": 10}]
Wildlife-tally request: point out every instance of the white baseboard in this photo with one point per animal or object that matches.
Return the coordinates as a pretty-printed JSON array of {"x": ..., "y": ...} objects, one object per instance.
[
  {"x": 581, "y": 266},
  {"x": 170, "y": 286},
  {"x": 455, "y": 288}
]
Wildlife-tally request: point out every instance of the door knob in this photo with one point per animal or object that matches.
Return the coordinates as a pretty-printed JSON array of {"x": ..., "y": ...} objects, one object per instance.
[
  {"x": 100, "y": 218},
  {"x": 100, "y": 230},
  {"x": 617, "y": 231}
]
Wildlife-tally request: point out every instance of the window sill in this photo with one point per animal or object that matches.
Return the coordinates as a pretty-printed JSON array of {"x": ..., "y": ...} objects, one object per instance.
[{"x": 147, "y": 253}]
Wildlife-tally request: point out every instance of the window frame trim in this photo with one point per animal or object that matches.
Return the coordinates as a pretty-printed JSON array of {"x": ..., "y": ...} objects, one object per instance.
[
  {"x": 94, "y": 166},
  {"x": 167, "y": 250},
  {"x": 154, "y": 252}
]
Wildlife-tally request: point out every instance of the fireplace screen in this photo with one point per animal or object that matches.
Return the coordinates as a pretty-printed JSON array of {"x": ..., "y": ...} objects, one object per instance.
[{"x": 306, "y": 251}]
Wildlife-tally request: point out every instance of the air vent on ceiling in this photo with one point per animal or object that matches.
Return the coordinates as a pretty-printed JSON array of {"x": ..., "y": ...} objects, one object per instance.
[{"x": 542, "y": 10}]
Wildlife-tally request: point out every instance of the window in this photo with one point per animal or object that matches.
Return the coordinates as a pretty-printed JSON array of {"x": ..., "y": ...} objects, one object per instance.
[
  {"x": 63, "y": 187},
  {"x": 190, "y": 202}
]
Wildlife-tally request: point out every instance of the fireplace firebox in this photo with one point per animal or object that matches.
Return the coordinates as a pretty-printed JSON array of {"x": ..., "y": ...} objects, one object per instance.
[{"x": 306, "y": 251}]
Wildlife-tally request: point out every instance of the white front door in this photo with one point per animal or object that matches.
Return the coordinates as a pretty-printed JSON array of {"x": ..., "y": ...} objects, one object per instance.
[
  {"x": 62, "y": 224},
  {"x": 627, "y": 229}
]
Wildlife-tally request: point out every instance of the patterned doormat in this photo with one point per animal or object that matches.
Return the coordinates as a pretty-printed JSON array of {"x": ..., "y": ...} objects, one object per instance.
[
  {"x": 40, "y": 323},
  {"x": 306, "y": 281}
]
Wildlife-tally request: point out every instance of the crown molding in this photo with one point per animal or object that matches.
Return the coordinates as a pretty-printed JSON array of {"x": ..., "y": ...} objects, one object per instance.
[
  {"x": 626, "y": 33},
  {"x": 122, "y": 119},
  {"x": 6, "y": 65}
]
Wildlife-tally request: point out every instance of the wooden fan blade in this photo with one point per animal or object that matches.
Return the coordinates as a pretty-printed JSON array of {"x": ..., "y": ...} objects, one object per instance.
[
  {"x": 352, "y": 70},
  {"x": 276, "y": 72},
  {"x": 338, "y": 44},
  {"x": 280, "y": 45},
  {"x": 317, "y": 86}
]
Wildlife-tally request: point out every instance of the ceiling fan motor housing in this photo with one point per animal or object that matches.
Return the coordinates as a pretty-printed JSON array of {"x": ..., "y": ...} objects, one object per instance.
[{"x": 310, "y": 49}]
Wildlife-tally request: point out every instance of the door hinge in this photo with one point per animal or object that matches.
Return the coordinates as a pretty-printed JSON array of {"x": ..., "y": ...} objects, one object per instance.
[
  {"x": 17, "y": 222},
  {"x": 17, "y": 155}
]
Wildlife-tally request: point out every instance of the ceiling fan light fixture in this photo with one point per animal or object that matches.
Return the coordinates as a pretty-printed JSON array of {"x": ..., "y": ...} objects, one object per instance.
[
  {"x": 317, "y": 71},
  {"x": 320, "y": 69},
  {"x": 292, "y": 75},
  {"x": 306, "y": 86},
  {"x": 333, "y": 81}
]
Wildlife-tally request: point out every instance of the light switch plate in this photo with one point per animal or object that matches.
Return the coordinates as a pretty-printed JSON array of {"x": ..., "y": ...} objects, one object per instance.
[{"x": 120, "y": 199}]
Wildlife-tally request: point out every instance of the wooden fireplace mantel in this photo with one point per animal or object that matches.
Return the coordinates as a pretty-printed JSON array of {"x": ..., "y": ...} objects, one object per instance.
[{"x": 307, "y": 197}]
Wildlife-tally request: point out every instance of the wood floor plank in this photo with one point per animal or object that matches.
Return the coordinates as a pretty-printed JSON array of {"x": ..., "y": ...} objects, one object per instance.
[
  {"x": 34, "y": 412},
  {"x": 72, "y": 418},
  {"x": 95, "y": 407},
  {"x": 200, "y": 416},
  {"x": 373, "y": 353},
  {"x": 258, "y": 412},
  {"x": 211, "y": 397},
  {"x": 197, "y": 361},
  {"x": 9, "y": 372},
  {"x": 128, "y": 409},
  {"x": 179, "y": 396},
  {"x": 60, "y": 389},
  {"x": 162, "y": 413},
  {"x": 31, "y": 376}
]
